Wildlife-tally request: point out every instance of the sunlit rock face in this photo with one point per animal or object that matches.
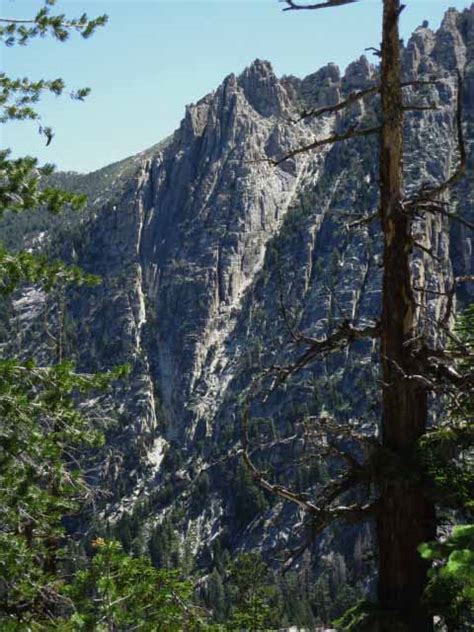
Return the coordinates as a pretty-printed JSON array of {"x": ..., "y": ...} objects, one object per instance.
[{"x": 211, "y": 255}]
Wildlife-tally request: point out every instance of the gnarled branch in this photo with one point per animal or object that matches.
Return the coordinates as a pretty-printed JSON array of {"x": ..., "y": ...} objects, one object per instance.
[
  {"x": 331, "y": 109},
  {"x": 442, "y": 369},
  {"x": 419, "y": 108},
  {"x": 428, "y": 251},
  {"x": 438, "y": 207},
  {"x": 361, "y": 94},
  {"x": 323, "y": 512},
  {"x": 362, "y": 221},
  {"x": 351, "y": 133},
  {"x": 343, "y": 336},
  {"x": 294, "y": 6}
]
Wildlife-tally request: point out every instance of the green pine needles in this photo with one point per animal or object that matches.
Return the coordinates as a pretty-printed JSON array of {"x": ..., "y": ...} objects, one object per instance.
[{"x": 120, "y": 592}]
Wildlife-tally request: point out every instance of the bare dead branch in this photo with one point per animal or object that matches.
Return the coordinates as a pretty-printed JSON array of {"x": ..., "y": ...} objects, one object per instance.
[
  {"x": 357, "y": 96},
  {"x": 342, "y": 337},
  {"x": 322, "y": 513},
  {"x": 293, "y": 6},
  {"x": 419, "y": 108},
  {"x": 442, "y": 369},
  {"x": 375, "y": 51},
  {"x": 313, "y": 527},
  {"x": 259, "y": 477},
  {"x": 420, "y": 378},
  {"x": 428, "y": 251},
  {"x": 460, "y": 345},
  {"x": 449, "y": 304},
  {"x": 328, "y": 425},
  {"x": 367, "y": 219},
  {"x": 424, "y": 290},
  {"x": 441, "y": 210},
  {"x": 450, "y": 354},
  {"x": 467, "y": 278},
  {"x": 325, "y": 445},
  {"x": 331, "y": 109},
  {"x": 351, "y": 133}
]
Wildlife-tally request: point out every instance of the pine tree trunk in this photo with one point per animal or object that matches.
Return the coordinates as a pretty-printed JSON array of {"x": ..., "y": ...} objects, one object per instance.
[{"x": 406, "y": 517}]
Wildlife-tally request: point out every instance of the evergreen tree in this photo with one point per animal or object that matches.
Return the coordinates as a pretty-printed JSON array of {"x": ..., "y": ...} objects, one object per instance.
[
  {"x": 41, "y": 426},
  {"x": 252, "y": 594},
  {"x": 40, "y": 482},
  {"x": 215, "y": 597},
  {"x": 164, "y": 545},
  {"x": 249, "y": 499},
  {"x": 447, "y": 451},
  {"x": 450, "y": 591},
  {"x": 120, "y": 592}
]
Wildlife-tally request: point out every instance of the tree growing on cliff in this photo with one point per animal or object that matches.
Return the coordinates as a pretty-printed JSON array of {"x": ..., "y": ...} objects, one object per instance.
[{"x": 403, "y": 505}]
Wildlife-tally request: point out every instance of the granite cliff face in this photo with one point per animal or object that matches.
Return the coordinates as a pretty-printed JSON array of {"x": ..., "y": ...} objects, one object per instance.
[{"x": 206, "y": 242}]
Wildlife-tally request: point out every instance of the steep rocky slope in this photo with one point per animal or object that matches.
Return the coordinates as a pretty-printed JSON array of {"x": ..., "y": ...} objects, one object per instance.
[{"x": 209, "y": 255}]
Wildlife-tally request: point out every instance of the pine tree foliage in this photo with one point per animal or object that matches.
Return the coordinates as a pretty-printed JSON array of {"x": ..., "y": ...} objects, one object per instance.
[
  {"x": 252, "y": 593},
  {"x": 43, "y": 432},
  {"x": 450, "y": 591},
  {"x": 44, "y": 23},
  {"x": 20, "y": 188},
  {"x": 249, "y": 499},
  {"x": 120, "y": 592},
  {"x": 449, "y": 454},
  {"x": 29, "y": 268},
  {"x": 41, "y": 481}
]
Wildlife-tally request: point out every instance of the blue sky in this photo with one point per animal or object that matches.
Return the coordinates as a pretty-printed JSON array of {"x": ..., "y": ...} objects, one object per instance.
[{"x": 154, "y": 57}]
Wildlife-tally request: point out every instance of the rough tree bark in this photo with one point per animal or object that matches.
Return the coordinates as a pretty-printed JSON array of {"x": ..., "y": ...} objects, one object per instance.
[{"x": 405, "y": 517}]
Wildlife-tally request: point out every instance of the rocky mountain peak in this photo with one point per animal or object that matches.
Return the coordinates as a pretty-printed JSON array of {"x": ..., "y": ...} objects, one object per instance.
[
  {"x": 321, "y": 87},
  {"x": 358, "y": 75},
  {"x": 260, "y": 67},
  {"x": 255, "y": 92},
  {"x": 195, "y": 119},
  {"x": 263, "y": 90},
  {"x": 416, "y": 55},
  {"x": 423, "y": 39},
  {"x": 450, "y": 50}
]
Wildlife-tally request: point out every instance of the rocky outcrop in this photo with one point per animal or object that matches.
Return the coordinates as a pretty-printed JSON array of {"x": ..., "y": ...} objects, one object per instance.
[{"x": 211, "y": 255}]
